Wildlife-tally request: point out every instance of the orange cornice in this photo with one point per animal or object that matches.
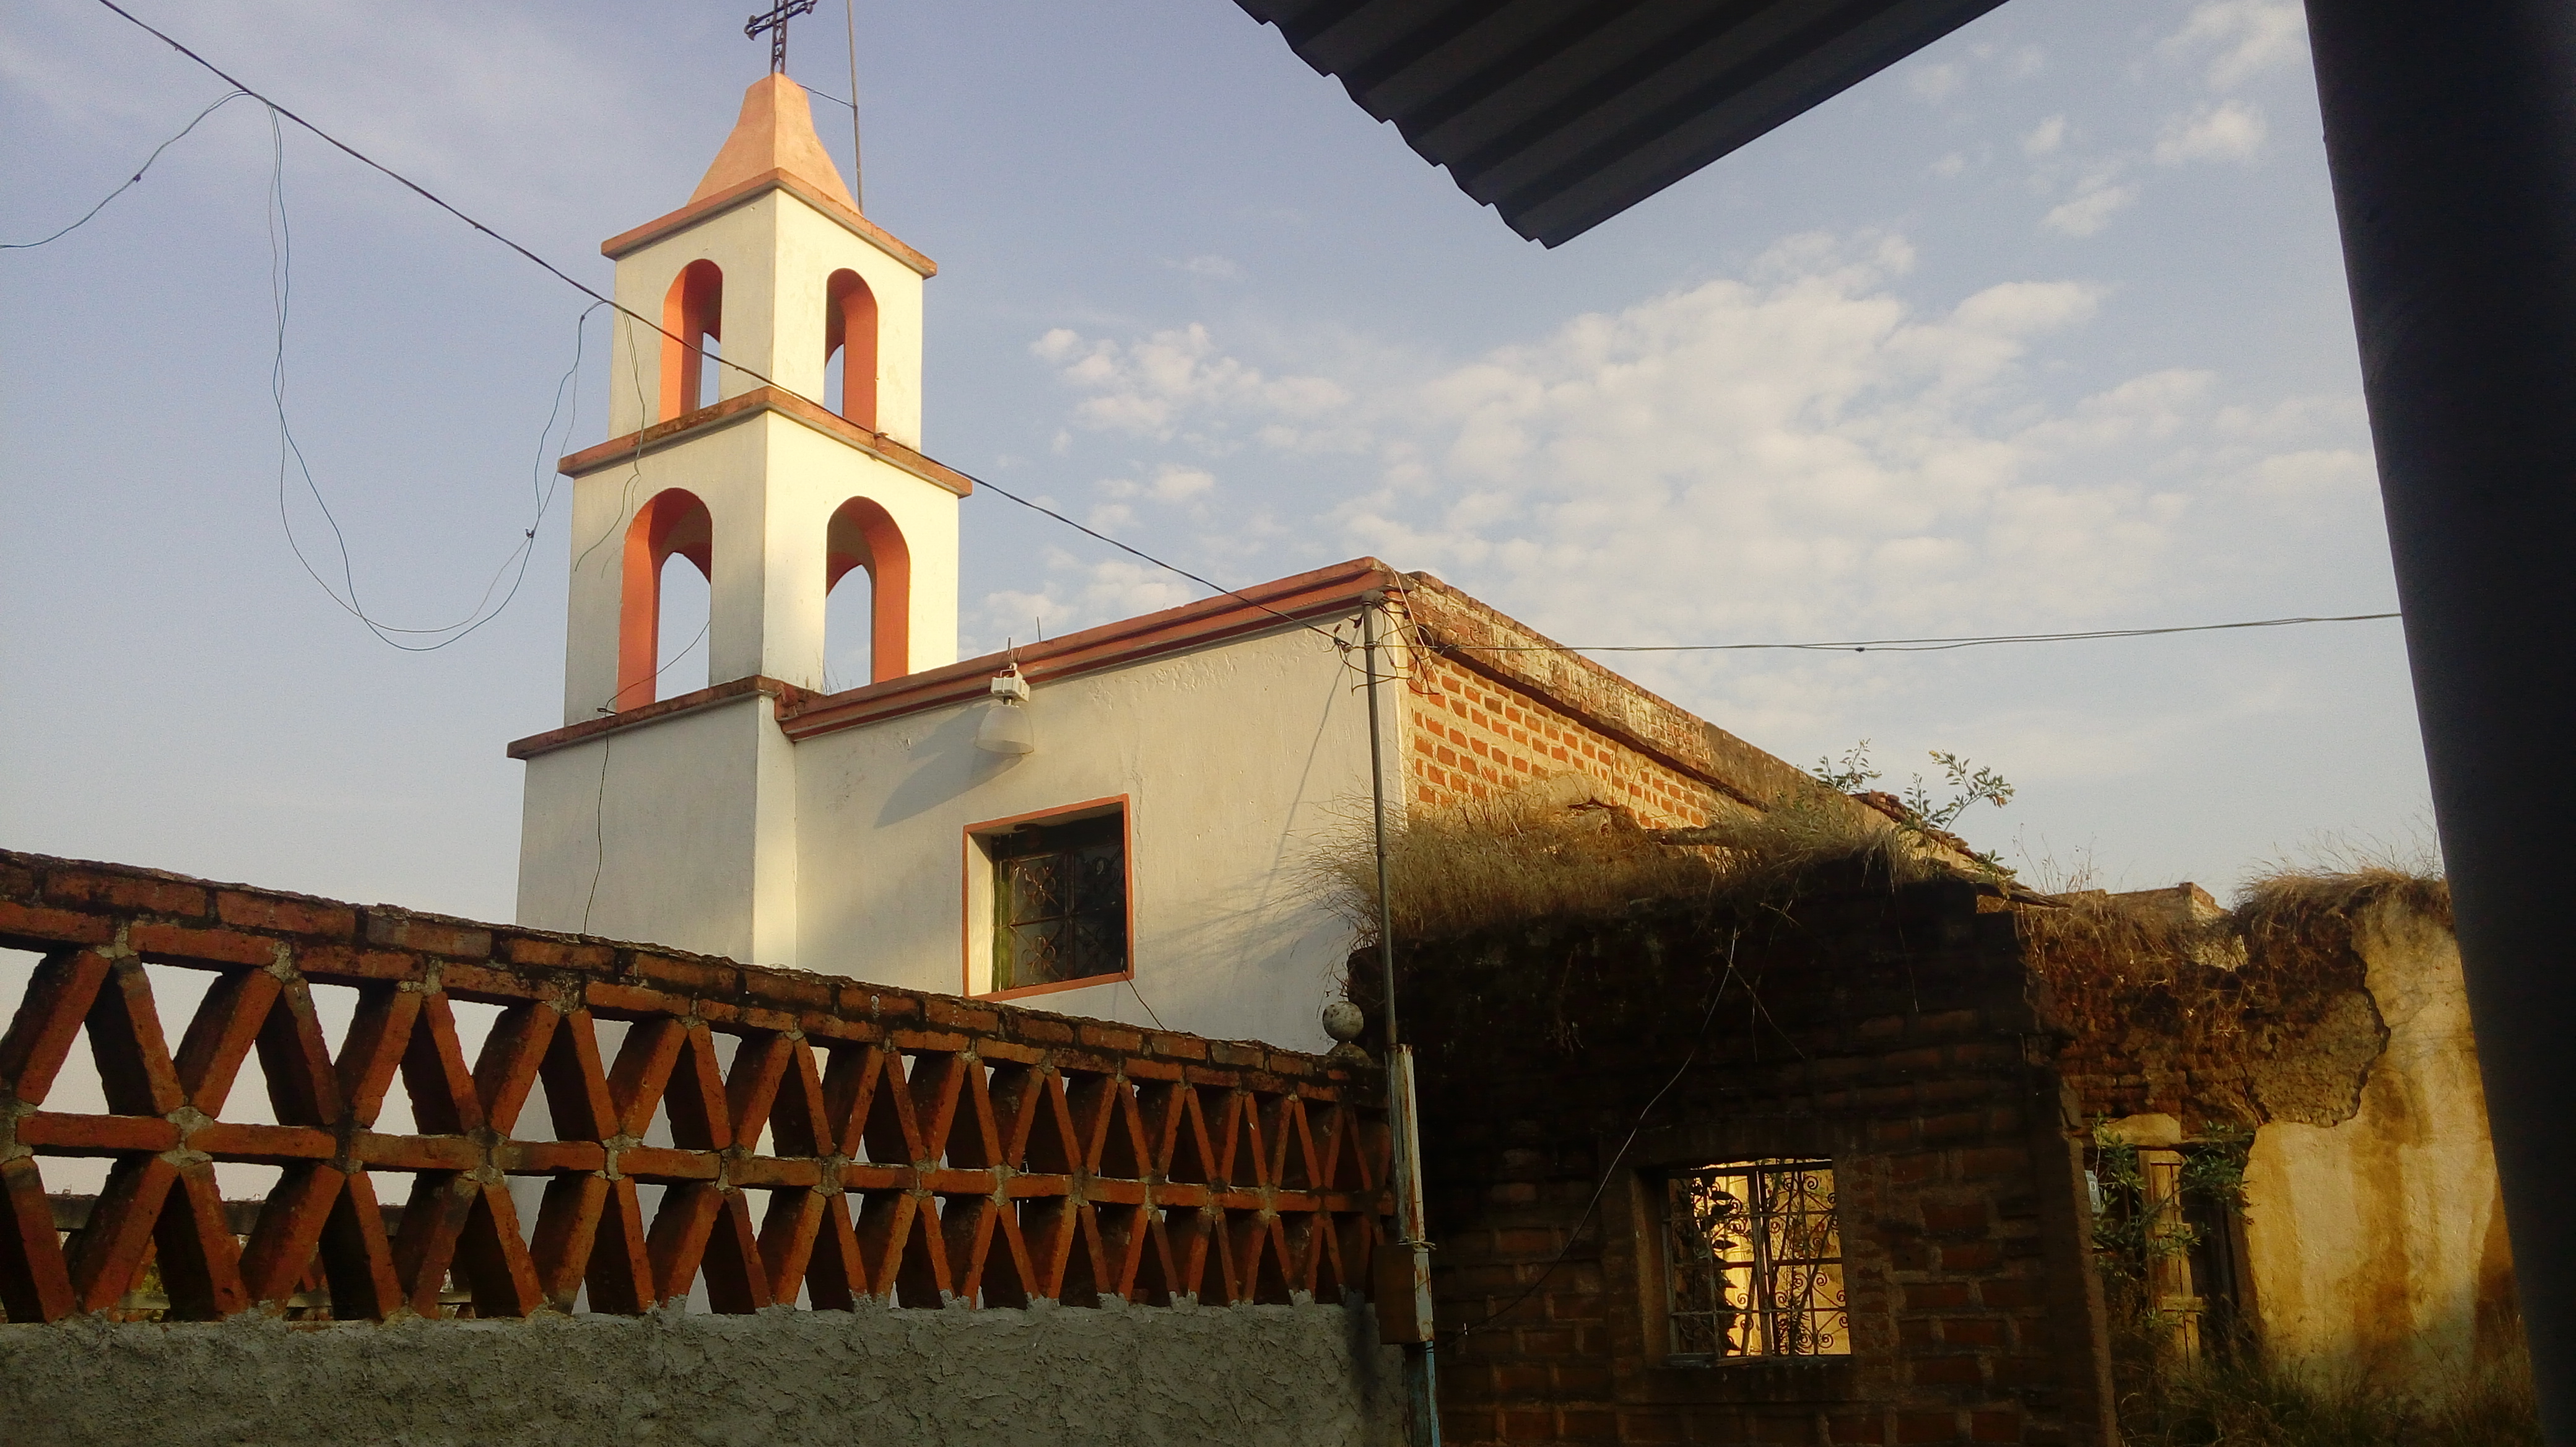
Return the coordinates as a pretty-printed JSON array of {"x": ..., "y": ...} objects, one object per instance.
[
  {"x": 787, "y": 694},
  {"x": 1323, "y": 595},
  {"x": 750, "y": 404},
  {"x": 753, "y": 189}
]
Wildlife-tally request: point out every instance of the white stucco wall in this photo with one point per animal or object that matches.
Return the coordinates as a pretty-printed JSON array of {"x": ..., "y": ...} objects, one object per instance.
[
  {"x": 1236, "y": 760},
  {"x": 688, "y": 826},
  {"x": 2378, "y": 1245}
]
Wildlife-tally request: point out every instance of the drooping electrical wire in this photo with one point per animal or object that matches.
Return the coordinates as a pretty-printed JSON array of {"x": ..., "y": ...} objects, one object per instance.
[
  {"x": 1895, "y": 645},
  {"x": 236, "y": 93},
  {"x": 542, "y": 483}
]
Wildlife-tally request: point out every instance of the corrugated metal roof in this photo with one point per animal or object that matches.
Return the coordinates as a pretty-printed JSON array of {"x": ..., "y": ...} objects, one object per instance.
[{"x": 1560, "y": 114}]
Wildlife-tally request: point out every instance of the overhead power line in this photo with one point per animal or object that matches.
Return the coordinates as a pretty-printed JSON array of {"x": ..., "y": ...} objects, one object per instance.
[
  {"x": 1883, "y": 645},
  {"x": 1908, "y": 645}
]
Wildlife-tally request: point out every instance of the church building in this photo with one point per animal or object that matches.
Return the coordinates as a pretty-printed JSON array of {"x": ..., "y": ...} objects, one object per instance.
[{"x": 1124, "y": 820}]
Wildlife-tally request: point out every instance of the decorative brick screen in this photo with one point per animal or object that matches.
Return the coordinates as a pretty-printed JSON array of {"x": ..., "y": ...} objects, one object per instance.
[{"x": 862, "y": 1142}]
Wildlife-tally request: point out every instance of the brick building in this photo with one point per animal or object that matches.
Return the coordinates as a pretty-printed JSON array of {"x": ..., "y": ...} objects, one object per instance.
[{"x": 1856, "y": 1090}]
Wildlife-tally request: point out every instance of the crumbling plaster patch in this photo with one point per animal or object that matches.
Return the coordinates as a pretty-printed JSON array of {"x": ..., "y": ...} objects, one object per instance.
[{"x": 1296, "y": 1376}]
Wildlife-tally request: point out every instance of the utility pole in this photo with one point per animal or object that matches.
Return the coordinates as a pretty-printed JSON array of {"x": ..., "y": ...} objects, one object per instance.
[{"x": 1403, "y": 1276}]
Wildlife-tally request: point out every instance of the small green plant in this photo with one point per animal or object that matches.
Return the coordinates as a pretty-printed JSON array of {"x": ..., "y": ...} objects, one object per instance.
[{"x": 1969, "y": 784}]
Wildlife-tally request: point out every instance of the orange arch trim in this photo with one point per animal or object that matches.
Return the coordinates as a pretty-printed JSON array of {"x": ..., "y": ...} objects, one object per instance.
[
  {"x": 862, "y": 535},
  {"x": 693, "y": 310},
  {"x": 672, "y": 522},
  {"x": 850, "y": 319}
]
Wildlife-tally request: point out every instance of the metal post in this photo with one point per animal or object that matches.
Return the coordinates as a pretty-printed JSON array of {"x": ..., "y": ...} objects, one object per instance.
[
  {"x": 2450, "y": 131},
  {"x": 1403, "y": 1279}
]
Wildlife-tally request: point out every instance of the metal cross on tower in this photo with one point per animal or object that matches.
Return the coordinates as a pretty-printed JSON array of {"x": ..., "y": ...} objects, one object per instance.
[{"x": 775, "y": 22}]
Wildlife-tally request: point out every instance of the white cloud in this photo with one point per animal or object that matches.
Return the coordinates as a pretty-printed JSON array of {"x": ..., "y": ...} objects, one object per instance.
[
  {"x": 1170, "y": 483},
  {"x": 1210, "y": 268},
  {"x": 1794, "y": 452},
  {"x": 2045, "y": 138},
  {"x": 1144, "y": 388},
  {"x": 2229, "y": 131},
  {"x": 2248, "y": 36},
  {"x": 1939, "y": 82},
  {"x": 1949, "y": 166},
  {"x": 2090, "y": 211}
]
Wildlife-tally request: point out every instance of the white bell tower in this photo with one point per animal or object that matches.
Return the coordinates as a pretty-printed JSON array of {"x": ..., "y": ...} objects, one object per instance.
[
  {"x": 665, "y": 809},
  {"x": 727, "y": 450}
]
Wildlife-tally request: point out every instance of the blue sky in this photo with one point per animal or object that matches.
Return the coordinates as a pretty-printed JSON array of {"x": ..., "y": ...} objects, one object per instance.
[{"x": 2043, "y": 330}]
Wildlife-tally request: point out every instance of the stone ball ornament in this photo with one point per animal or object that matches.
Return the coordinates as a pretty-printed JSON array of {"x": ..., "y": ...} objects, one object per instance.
[{"x": 1344, "y": 1021}]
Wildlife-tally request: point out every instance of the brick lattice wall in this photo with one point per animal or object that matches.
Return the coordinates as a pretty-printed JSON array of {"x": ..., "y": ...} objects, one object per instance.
[
  {"x": 849, "y": 1142},
  {"x": 1893, "y": 1034}
]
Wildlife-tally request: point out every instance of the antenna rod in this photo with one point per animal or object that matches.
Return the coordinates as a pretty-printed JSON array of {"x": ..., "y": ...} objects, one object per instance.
[{"x": 850, "y": 25}]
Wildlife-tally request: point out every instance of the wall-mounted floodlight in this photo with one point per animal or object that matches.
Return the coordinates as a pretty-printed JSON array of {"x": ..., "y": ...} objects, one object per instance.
[{"x": 1007, "y": 728}]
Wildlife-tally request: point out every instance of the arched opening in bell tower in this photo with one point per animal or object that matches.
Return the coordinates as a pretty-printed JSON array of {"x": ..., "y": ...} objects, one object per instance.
[
  {"x": 863, "y": 537},
  {"x": 850, "y": 333},
  {"x": 673, "y": 524},
  {"x": 693, "y": 317}
]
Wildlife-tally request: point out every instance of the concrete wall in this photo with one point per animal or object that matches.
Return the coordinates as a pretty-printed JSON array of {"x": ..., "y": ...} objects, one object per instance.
[
  {"x": 2378, "y": 1244},
  {"x": 1236, "y": 761},
  {"x": 686, "y": 826},
  {"x": 1249, "y": 1376}
]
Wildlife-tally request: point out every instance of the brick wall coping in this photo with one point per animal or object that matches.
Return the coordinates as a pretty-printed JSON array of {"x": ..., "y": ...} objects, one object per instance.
[{"x": 1519, "y": 657}]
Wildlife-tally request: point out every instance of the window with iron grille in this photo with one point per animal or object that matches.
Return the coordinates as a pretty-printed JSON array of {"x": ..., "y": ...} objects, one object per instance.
[
  {"x": 1059, "y": 902},
  {"x": 1753, "y": 1261}
]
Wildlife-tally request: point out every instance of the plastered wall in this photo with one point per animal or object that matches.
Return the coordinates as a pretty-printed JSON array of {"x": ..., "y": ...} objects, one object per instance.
[
  {"x": 1252, "y": 1376},
  {"x": 1237, "y": 761},
  {"x": 2378, "y": 1244}
]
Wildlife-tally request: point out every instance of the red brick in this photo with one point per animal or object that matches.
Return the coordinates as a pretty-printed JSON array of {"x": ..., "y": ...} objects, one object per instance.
[
  {"x": 1869, "y": 1430},
  {"x": 1995, "y": 1426},
  {"x": 329, "y": 963},
  {"x": 1588, "y": 1427},
  {"x": 126, "y": 891},
  {"x": 2008, "y": 1294},
  {"x": 1972, "y": 1331},
  {"x": 703, "y": 977},
  {"x": 1961, "y": 1371},
  {"x": 1959, "y": 1125},
  {"x": 1971, "y": 1256},
  {"x": 1959, "y": 1219},
  {"x": 1057, "y": 1032},
  {"x": 54, "y": 926},
  {"x": 959, "y": 1016},
  {"x": 287, "y": 916},
  {"x": 1987, "y": 1162},
  {"x": 179, "y": 943},
  {"x": 398, "y": 930},
  {"x": 1648, "y": 1427},
  {"x": 537, "y": 952},
  {"x": 1937, "y": 1295},
  {"x": 1912, "y": 1427},
  {"x": 1129, "y": 1042},
  {"x": 1583, "y": 1383},
  {"x": 778, "y": 987}
]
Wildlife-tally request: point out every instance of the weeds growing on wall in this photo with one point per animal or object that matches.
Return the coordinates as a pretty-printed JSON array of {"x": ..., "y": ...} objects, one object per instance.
[{"x": 1522, "y": 859}]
